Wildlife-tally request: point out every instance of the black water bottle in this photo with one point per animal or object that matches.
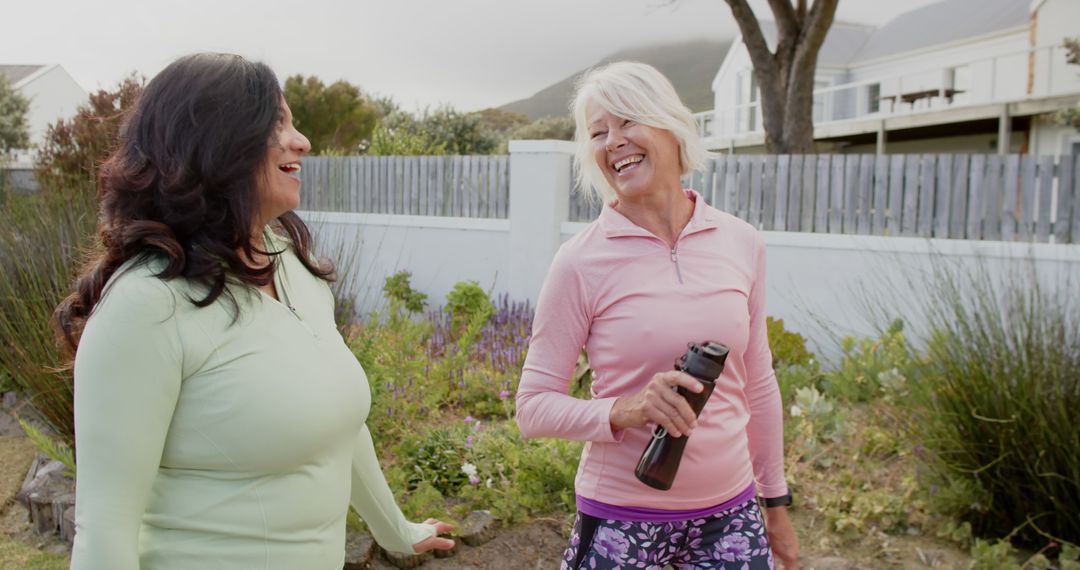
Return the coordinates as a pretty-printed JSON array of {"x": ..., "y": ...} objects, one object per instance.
[{"x": 660, "y": 460}]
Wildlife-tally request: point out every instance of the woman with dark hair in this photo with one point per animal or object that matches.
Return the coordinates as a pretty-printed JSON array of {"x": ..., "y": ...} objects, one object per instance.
[{"x": 219, "y": 415}]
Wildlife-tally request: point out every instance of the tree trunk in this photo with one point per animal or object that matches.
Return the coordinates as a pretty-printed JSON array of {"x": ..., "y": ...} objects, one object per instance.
[{"x": 786, "y": 77}]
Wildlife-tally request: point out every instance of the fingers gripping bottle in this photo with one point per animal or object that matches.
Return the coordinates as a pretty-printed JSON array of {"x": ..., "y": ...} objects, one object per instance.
[{"x": 660, "y": 460}]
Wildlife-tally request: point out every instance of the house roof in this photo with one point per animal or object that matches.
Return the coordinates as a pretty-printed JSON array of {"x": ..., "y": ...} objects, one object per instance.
[
  {"x": 16, "y": 73},
  {"x": 943, "y": 22},
  {"x": 935, "y": 24},
  {"x": 843, "y": 40}
]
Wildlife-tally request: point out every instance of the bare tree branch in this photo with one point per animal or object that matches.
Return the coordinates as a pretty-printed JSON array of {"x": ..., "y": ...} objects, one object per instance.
[
  {"x": 755, "y": 42},
  {"x": 786, "y": 24},
  {"x": 817, "y": 25}
]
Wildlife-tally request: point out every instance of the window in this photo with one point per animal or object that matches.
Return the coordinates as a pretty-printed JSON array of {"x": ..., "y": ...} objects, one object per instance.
[
  {"x": 753, "y": 99},
  {"x": 873, "y": 97},
  {"x": 819, "y": 101}
]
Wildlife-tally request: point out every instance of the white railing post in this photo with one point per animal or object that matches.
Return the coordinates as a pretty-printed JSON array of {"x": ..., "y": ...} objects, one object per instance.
[{"x": 539, "y": 202}]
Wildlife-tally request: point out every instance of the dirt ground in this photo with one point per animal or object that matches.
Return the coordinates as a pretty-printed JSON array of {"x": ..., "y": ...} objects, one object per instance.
[{"x": 537, "y": 545}]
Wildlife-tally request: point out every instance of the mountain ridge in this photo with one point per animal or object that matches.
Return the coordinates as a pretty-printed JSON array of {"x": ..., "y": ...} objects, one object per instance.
[{"x": 690, "y": 65}]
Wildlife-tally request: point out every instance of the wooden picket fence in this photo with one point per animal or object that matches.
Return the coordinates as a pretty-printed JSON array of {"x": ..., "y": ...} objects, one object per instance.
[
  {"x": 957, "y": 196},
  {"x": 459, "y": 186}
]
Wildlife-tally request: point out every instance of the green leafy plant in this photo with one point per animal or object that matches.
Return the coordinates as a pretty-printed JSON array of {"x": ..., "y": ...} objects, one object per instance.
[
  {"x": 468, "y": 302},
  {"x": 814, "y": 420},
  {"x": 788, "y": 348},
  {"x": 398, "y": 288},
  {"x": 51, "y": 447},
  {"x": 858, "y": 377},
  {"x": 993, "y": 555}
]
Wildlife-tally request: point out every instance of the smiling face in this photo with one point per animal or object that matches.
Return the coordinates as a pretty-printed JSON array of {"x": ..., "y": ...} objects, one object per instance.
[
  {"x": 635, "y": 159},
  {"x": 279, "y": 188}
]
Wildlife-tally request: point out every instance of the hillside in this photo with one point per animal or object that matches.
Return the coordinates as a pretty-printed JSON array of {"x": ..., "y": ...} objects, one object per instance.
[{"x": 690, "y": 66}]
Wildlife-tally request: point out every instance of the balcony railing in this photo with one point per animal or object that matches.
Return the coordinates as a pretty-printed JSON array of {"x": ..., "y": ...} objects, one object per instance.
[{"x": 1025, "y": 74}]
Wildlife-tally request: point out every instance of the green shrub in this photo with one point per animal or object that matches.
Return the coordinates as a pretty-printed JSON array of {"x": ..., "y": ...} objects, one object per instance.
[
  {"x": 397, "y": 288},
  {"x": 436, "y": 457},
  {"x": 997, "y": 409},
  {"x": 468, "y": 301},
  {"x": 483, "y": 465},
  {"x": 858, "y": 378},
  {"x": 815, "y": 423},
  {"x": 788, "y": 348},
  {"x": 791, "y": 378}
]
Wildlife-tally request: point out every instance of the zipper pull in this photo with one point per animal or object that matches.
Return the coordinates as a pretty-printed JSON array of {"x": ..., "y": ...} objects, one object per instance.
[{"x": 674, "y": 254}]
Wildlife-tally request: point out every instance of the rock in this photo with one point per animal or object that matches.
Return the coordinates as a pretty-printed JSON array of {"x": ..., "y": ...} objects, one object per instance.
[
  {"x": 47, "y": 493},
  {"x": 400, "y": 560},
  {"x": 478, "y": 528},
  {"x": 9, "y": 426},
  {"x": 931, "y": 557},
  {"x": 10, "y": 399},
  {"x": 360, "y": 550},
  {"x": 60, "y": 504},
  {"x": 67, "y": 525},
  {"x": 447, "y": 553}
]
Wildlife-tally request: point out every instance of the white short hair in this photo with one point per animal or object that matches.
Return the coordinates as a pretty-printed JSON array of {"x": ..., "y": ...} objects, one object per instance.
[{"x": 640, "y": 93}]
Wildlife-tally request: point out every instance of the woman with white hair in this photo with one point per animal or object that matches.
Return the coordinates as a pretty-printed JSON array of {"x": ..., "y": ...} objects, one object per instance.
[{"x": 659, "y": 268}]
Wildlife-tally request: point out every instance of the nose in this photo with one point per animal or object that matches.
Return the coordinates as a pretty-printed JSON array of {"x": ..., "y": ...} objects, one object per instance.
[
  {"x": 299, "y": 143},
  {"x": 614, "y": 139}
]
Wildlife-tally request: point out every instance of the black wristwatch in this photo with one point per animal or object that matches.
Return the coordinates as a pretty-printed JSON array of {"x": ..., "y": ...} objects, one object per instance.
[{"x": 781, "y": 501}]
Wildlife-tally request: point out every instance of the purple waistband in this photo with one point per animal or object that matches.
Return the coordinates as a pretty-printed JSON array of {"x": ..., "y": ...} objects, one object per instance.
[{"x": 641, "y": 514}]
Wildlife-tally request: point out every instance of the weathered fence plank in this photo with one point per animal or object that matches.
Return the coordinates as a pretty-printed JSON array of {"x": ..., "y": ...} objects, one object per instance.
[
  {"x": 911, "y": 196},
  {"x": 783, "y": 166},
  {"x": 1067, "y": 198},
  {"x": 896, "y": 195},
  {"x": 864, "y": 194},
  {"x": 1045, "y": 198},
  {"x": 926, "y": 195},
  {"x": 836, "y": 195},
  {"x": 768, "y": 192},
  {"x": 957, "y": 209},
  {"x": 821, "y": 205},
  {"x": 881, "y": 195}
]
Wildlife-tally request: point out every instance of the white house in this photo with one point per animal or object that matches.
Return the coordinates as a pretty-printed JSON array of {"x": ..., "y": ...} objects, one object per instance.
[
  {"x": 971, "y": 76},
  {"x": 53, "y": 95}
]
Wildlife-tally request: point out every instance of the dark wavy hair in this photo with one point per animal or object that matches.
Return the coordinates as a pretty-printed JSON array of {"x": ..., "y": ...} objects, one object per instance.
[{"x": 183, "y": 185}]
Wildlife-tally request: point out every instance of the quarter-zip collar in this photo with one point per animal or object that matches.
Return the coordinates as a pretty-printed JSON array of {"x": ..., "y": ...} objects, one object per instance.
[{"x": 617, "y": 225}]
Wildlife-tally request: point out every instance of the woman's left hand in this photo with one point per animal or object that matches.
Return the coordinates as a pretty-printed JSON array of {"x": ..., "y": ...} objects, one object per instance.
[
  {"x": 782, "y": 538},
  {"x": 435, "y": 542}
]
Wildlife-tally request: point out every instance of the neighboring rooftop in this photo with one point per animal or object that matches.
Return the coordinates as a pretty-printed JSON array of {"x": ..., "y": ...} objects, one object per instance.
[
  {"x": 943, "y": 23},
  {"x": 16, "y": 73},
  {"x": 841, "y": 43},
  {"x": 935, "y": 24}
]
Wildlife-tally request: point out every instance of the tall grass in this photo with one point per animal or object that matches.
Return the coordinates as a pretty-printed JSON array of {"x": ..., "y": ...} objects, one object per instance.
[
  {"x": 1000, "y": 396},
  {"x": 40, "y": 243}
]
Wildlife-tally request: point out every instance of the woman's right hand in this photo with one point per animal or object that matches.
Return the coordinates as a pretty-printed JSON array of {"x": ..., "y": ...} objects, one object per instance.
[{"x": 658, "y": 403}]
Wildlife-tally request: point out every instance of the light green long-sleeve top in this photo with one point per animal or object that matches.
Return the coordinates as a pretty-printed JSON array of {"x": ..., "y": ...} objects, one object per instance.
[{"x": 204, "y": 443}]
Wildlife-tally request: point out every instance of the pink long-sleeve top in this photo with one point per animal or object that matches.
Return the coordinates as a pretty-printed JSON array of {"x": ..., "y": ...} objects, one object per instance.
[{"x": 634, "y": 304}]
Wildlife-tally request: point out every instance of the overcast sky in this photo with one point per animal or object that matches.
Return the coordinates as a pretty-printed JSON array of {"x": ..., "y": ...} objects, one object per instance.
[{"x": 467, "y": 53}]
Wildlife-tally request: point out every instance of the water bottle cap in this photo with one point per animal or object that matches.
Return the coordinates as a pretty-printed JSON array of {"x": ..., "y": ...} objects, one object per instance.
[{"x": 705, "y": 361}]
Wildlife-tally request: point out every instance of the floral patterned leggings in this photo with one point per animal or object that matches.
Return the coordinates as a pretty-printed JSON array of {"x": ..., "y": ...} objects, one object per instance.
[{"x": 731, "y": 539}]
